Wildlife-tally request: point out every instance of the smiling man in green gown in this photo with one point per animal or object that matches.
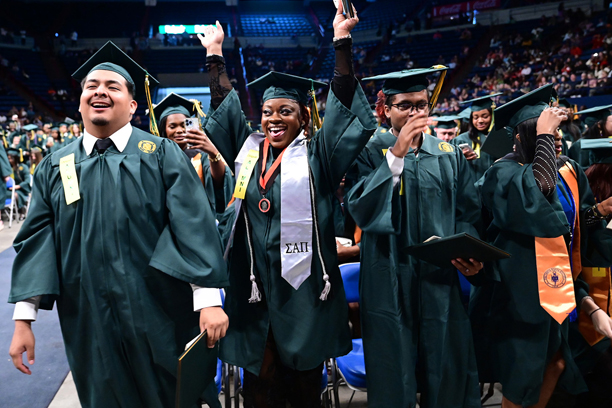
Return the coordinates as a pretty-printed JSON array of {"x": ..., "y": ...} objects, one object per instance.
[{"x": 118, "y": 229}]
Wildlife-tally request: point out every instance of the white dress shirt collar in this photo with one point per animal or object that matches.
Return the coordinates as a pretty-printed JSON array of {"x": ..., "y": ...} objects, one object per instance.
[{"x": 120, "y": 138}]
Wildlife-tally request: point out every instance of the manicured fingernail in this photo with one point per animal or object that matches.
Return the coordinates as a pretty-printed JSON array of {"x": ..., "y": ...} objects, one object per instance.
[{"x": 31, "y": 361}]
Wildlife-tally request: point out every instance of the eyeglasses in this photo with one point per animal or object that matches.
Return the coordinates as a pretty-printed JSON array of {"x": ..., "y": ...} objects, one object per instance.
[{"x": 407, "y": 106}]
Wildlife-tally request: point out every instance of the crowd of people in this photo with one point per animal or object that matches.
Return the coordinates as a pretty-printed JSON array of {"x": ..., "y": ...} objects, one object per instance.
[{"x": 121, "y": 236}]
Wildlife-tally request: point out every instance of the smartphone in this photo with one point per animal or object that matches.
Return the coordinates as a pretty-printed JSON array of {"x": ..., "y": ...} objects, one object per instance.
[
  {"x": 465, "y": 146},
  {"x": 347, "y": 8},
  {"x": 191, "y": 123}
]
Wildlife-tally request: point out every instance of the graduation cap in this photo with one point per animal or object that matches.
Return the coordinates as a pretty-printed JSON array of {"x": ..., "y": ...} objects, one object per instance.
[
  {"x": 465, "y": 114},
  {"x": 55, "y": 128},
  {"x": 601, "y": 149},
  {"x": 481, "y": 103},
  {"x": 111, "y": 58},
  {"x": 11, "y": 151},
  {"x": 411, "y": 80},
  {"x": 280, "y": 85},
  {"x": 564, "y": 103},
  {"x": 596, "y": 114},
  {"x": 523, "y": 108},
  {"x": 171, "y": 104},
  {"x": 499, "y": 143},
  {"x": 447, "y": 122},
  {"x": 30, "y": 127}
]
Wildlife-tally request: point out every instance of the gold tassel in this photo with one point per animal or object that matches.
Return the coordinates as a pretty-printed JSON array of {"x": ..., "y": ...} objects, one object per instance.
[
  {"x": 21, "y": 155},
  {"x": 197, "y": 107},
  {"x": 152, "y": 122},
  {"x": 316, "y": 119},
  {"x": 438, "y": 88},
  {"x": 492, "y": 117}
]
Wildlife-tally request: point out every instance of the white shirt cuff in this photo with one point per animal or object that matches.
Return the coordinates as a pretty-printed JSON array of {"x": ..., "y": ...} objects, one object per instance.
[
  {"x": 26, "y": 309},
  {"x": 205, "y": 297},
  {"x": 396, "y": 165}
]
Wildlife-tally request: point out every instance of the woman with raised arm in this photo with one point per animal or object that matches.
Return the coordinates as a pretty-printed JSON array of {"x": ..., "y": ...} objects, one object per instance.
[{"x": 286, "y": 302}]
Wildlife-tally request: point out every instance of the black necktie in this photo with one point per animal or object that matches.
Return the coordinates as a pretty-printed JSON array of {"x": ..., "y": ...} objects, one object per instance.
[{"x": 103, "y": 144}]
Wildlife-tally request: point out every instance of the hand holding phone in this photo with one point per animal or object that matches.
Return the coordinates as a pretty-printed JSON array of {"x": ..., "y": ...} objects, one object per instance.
[{"x": 468, "y": 152}]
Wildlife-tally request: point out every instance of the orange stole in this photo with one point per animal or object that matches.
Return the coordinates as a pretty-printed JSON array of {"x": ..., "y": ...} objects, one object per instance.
[
  {"x": 555, "y": 277},
  {"x": 599, "y": 289},
  {"x": 197, "y": 164}
]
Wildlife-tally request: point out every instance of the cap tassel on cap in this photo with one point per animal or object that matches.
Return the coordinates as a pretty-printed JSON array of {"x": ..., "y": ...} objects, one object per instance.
[
  {"x": 492, "y": 116},
  {"x": 316, "y": 119},
  {"x": 152, "y": 121},
  {"x": 438, "y": 88},
  {"x": 197, "y": 107}
]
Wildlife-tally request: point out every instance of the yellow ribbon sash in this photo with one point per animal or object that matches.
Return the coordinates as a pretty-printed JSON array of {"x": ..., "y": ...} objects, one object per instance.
[
  {"x": 245, "y": 174},
  {"x": 599, "y": 289},
  {"x": 69, "y": 179}
]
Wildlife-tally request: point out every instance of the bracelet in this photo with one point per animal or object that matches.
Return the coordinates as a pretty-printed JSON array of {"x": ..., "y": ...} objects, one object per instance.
[
  {"x": 591, "y": 314},
  {"x": 598, "y": 213},
  {"x": 216, "y": 158},
  {"x": 342, "y": 38}
]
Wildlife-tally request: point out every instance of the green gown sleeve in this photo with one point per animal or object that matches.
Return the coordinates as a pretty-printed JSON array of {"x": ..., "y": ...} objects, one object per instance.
[
  {"x": 510, "y": 192},
  {"x": 175, "y": 253},
  {"x": 5, "y": 167},
  {"x": 227, "y": 127},
  {"x": 219, "y": 197},
  {"x": 344, "y": 133},
  {"x": 35, "y": 269},
  {"x": 24, "y": 173},
  {"x": 467, "y": 207},
  {"x": 374, "y": 202}
]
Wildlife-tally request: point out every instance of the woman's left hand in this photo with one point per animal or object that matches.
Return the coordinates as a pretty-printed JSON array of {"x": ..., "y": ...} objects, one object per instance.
[
  {"x": 467, "y": 268},
  {"x": 197, "y": 139},
  {"x": 344, "y": 24},
  {"x": 602, "y": 323},
  {"x": 605, "y": 207}
]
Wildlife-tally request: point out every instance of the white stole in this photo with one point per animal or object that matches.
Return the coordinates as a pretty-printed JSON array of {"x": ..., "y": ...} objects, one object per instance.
[{"x": 296, "y": 209}]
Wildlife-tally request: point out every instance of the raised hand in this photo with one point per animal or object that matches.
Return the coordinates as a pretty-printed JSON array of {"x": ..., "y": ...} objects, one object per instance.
[
  {"x": 213, "y": 38},
  {"x": 549, "y": 120},
  {"x": 413, "y": 128},
  {"x": 343, "y": 25}
]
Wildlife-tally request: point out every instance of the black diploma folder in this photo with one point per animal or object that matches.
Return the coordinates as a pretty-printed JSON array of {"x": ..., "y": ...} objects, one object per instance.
[
  {"x": 440, "y": 251},
  {"x": 197, "y": 367}
]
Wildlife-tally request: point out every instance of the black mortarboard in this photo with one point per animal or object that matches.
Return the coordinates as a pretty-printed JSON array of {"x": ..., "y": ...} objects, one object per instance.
[
  {"x": 280, "y": 85},
  {"x": 111, "y": 58},
  {"x": 481, "y": 103},
  {"x": 596, "y": 114},
  {"x": 523, "y": 108},
  {"x": 601, "y": 149},
  {"x": 171, "y": 104},
  {"x": 447, "y": 122}
]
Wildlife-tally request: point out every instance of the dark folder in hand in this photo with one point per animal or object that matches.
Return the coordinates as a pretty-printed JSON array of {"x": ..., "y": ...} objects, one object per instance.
[
  {"x": 440, "y": 251},
  {"x": 197, "y": 367}
]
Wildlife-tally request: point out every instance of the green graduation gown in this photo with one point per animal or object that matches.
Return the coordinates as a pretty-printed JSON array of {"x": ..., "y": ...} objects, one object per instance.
[
  {"x": 306, "y": 329},
  {"x": 57, "y": 144},
  {"x": 415, "y": 328},
  {"x": 478, "y": 166},
  {"x": 21, "y": 175},
  {"x": 576, "y": 153},
  {"x": 118, "y": 263},
  {"x": 524, "y": 337},
  {"x": 218, "y": 198}
]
